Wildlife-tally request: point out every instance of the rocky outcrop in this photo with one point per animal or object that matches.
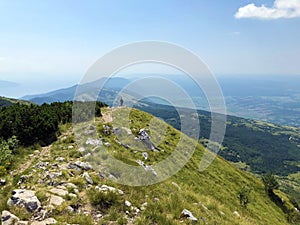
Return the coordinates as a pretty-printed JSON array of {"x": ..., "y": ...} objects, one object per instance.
[
  {"x": 145, "y": 138},
  {"x": 80, "y": 165},
  {"x": 24, "y": 198}
]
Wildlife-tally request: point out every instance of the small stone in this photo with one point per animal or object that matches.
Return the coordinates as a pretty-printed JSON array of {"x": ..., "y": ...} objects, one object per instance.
[
  {"x": 144, "y": 206},
  {"x": 145, "y": 155},
  {"x": 176, "y": 185},
  {"x": 69, "y": 209},
  {"x": 87, "y": 178},
  {"x": 50, "y": 221},
  {"x": 127, "y": 203},
  {"x": 59, "y": 191},
  {"x": 23, "y": 223},
  {"x": 60, "y": 159},
  {"x": 107, "y": 144},
  {"x": 93, "y": 142},
  {"x": 71, "y": 185},
  {"x": 2, "y": 182},
  {"x": 99, "y": 216},
  {"x": 81, "y": 149},
  {"x": 236, "y": 214},
  {"x": 106, "y": 188},
  {"x": 188, "y": 215},
  {"x": 73, "y": 195},
  {"x": 83, "y": 165},
  {"x": 56, "y": 200},
  {"x": 137, "y": 210},
  {"x": 128, "y": 131}
]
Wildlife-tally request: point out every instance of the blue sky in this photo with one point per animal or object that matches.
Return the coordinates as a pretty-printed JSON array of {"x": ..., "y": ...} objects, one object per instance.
[{"x": 54, "y": 42}]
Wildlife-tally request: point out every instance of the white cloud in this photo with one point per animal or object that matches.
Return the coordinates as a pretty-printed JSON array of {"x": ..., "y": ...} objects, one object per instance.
[{"x": 280, "y": 9}]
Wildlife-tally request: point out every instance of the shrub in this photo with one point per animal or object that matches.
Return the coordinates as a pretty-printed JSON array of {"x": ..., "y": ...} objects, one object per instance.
[
  {"x": 244, "y": 196},
  {"x": 5, "y": 155},
  {"x": 102, "y": 200},
  {"x": 270, "y": 183}
]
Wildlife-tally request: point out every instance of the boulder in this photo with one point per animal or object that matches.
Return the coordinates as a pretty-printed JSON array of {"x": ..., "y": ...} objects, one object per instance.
[
  {"x": 188, "y": 215},
  {"x": 8, "y": 218},
  {"x": 24, "y": 198}
]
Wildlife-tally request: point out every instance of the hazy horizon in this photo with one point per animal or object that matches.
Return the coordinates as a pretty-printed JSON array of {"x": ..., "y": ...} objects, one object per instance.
[{"x": 53, "y": 43}]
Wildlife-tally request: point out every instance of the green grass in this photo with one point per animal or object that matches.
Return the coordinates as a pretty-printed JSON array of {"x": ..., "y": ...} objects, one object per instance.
[
  {"x": 211, "y": 194},
  {"x": 216, "y": 188}
]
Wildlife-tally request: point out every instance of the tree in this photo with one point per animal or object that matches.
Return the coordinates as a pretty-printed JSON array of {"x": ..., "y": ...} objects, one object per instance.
[{"x": 270, "y": 183}]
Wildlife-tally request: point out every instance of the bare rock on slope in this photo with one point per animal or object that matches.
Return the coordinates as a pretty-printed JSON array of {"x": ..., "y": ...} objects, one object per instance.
[
  {"x": 24, "y": 198},
  {"x": 8, "y": 218}
]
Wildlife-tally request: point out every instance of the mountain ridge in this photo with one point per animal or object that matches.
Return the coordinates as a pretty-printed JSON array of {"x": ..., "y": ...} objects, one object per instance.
[{"x": 69, "y": 191}]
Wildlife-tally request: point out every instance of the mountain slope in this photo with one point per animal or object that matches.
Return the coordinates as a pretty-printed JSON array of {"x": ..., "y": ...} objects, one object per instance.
[
  {"x": 60, "y": 175},
  {"x": 265, "y": 147},
  {"x": 9, "y": 101},
  {"x": 67, "y": 94}
]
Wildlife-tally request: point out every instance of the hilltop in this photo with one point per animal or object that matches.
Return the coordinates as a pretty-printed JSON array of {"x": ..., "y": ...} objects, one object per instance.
[
  {"x": 65, "y": 188},
  {"x": 9, "y": 101}
]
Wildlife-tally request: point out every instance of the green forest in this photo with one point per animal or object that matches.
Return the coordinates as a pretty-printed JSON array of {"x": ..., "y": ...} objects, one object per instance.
[{"x": 29, "y": 124}]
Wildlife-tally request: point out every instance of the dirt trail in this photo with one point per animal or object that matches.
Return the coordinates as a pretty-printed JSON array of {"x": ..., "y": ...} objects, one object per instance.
[
  {"x": 107, "y": 115},
  {"x": 27, "y": 164}
]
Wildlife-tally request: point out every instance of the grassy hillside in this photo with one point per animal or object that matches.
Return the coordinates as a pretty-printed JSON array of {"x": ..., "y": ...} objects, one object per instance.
[
  {"x": 264, "y": 147},
  {"x": 211, "y": 195},
  {"x": 9, "y": 101},
  {"x": 251, "y": 145}
]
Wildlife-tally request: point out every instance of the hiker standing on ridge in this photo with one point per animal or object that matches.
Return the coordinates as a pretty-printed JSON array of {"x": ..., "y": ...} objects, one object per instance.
[{"x": 121, "y": 102}]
